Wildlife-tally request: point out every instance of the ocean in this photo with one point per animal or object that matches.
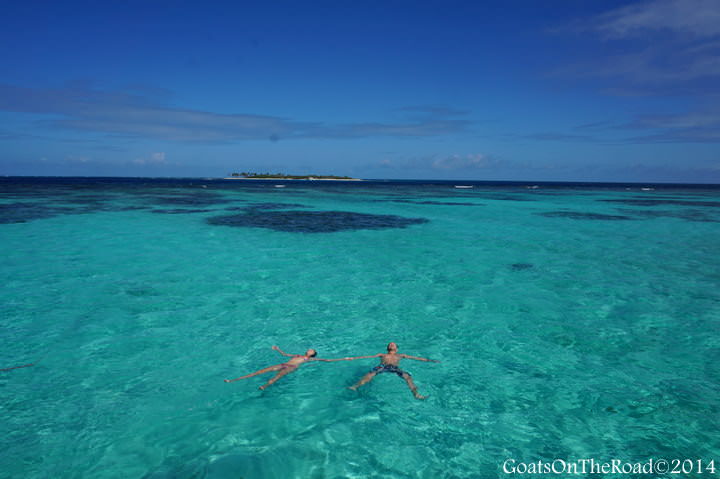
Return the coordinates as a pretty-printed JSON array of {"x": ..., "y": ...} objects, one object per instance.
[{"x": 571, "y": 321}]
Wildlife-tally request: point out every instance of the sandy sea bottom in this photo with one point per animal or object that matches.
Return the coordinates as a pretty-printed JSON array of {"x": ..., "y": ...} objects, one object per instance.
[{"x": 571, "y": 323}]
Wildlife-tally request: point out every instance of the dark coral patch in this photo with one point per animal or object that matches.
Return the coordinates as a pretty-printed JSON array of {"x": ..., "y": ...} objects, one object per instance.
[
  {"x": 314, "y": 221},
  {"x": 438, "y": 203},
  {"x": 697, "y": 216},
  {"x": 521, "y": 266},
  {"x": 86, "y": 198},
  {"x": 659, "y": 197},
  {"x": 660, "y": 202},
  {"x": 179, "y": 211},
  {"x": 273, "y": 206},
  {"x": 577, "y": 215},
  {"x": 190, "y": 200},
  {"x": 129, "y": 208},
  {"x": 424, "y": 202},
  {"x": 24, "y": 212},
  {"x": 447, "y": 203},
  {"x": 508, "y": 198}
]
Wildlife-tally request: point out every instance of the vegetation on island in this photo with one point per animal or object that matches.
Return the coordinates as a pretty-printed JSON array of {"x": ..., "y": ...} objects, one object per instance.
[{"x": 282, "y": 176}]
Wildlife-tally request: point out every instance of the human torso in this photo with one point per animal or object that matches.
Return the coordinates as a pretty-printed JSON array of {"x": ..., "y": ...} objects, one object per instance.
[
  {"x": 296, "y": 360},
  {"x": 390, "y": 359}
]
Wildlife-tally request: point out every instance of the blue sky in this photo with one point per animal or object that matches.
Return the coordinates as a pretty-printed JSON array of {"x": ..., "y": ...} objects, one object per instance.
[{"x": 512, "y": 90}]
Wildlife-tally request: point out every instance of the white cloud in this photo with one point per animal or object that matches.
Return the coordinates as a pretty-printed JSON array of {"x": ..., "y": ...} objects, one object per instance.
[
  {"x": 158, "y": 157},
  {"x": 77, "y": 159},
  {"x": 466, "y": 162},
  {"x": 653, "y": 48},
  {"x": 699, "y": 18},
  {"x": 694, "y": 127},
  {"x": 153, "y": 159},
  {"x": 683, "y": 121},
  {"x": 128, "y": 114},
  {"x": 475, "y": 161}
]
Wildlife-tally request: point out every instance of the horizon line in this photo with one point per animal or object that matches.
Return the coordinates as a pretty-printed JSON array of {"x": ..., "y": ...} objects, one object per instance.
[{"x": 457, "y": 180}]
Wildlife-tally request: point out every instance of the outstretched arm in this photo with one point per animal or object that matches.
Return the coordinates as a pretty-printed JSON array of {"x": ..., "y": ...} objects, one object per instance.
[
  {"x": 406, "y": 356},
  {"x": 342, "y": 359},
  {"x": 361, "y": 357},
  {"x": 283, "y": 352}
]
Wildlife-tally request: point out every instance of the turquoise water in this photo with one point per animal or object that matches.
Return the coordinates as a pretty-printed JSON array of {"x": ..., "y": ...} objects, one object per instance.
[{"x": 571, "y": 322}]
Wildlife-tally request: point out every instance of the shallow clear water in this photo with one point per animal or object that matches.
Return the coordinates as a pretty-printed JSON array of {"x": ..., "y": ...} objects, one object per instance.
[{"x": 571, "y": 322}]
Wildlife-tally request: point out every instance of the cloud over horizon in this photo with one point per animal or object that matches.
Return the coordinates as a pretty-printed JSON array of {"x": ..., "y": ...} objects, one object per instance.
[
  {"x": 659, "y": 50},
  {"x": 129, "y": 113},
  {"x": 447, "y": 163},
  {"x": 653, "y": 48},
  {"x": 696, "y": 18},
  {"x": 154, "y": 159}
]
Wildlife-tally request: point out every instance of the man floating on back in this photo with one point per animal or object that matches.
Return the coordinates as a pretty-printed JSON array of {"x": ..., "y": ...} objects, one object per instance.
[{"x": 390, "y": 363}]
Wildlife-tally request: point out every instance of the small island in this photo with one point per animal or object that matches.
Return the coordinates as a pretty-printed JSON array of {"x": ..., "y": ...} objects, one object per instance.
[{"x": 282, "y": 176}]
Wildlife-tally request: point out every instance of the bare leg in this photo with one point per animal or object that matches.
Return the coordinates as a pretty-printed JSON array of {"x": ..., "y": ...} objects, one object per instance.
[
  {"x": 365, "y": 379},
  {"x": 262, "y": 371},
  {"x": 280, "y": 374},
  {"x": 411, "y": 385}
]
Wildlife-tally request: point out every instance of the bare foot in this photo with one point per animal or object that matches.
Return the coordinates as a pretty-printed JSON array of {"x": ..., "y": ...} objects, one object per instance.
[
  {"x": 262, "y": 388},
  {"x": 420, "y": 396},
  {"x": 227, "y": 380},
  {"x": 353, "y": 388}
]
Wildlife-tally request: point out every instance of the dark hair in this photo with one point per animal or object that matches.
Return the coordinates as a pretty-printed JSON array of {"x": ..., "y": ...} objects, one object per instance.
[{"x": 313, "y": 354}]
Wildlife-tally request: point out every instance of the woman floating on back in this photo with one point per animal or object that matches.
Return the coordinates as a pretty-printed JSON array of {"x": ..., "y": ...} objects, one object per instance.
[{"x": 287, "y": 367}]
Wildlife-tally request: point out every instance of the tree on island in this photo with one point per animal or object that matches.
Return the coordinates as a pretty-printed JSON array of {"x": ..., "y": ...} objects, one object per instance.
[{"x": 287, "y": 177}]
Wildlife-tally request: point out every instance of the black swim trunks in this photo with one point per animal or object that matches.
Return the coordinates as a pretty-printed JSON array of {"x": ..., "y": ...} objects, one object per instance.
[{"x": 389, "y": 368}]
